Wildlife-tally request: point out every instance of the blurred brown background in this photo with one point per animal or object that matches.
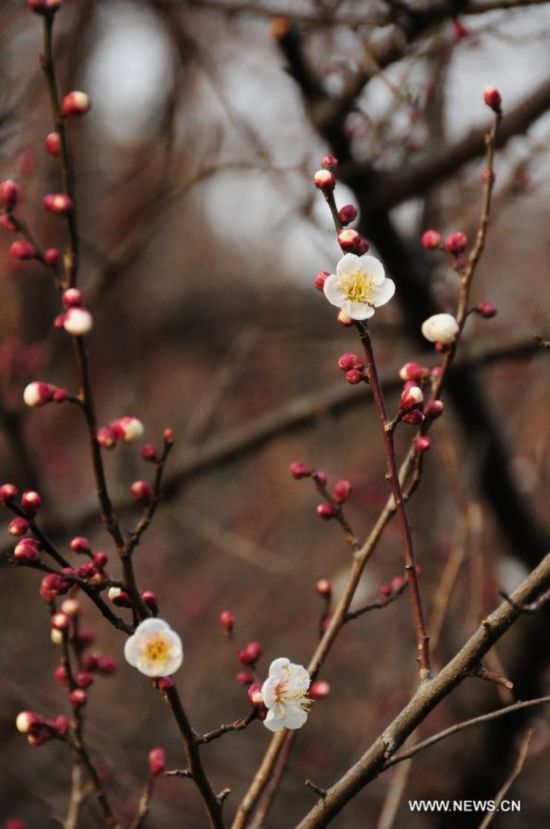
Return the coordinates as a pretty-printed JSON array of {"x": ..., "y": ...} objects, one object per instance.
[{"x": 201, "y": 234}]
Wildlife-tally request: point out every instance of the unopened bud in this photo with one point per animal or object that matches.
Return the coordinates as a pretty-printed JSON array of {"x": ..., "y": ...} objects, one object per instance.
[
  {"x": 320, "y": 280},
  {"x": 347, "y": 214},
  {"x": 440, "y": 328},
  {"x": 349, "y": 361},
  {"x": 106, "y": 437},
  {"x": 78, "y": 698},
  {"x": 422, "y": 444},
  {"x": 142, "y": 492},
  {"x": 329, "y": 162},
  {"x": 251, "y": 653},
  {"x": 128, "y": 428},
  {"x": 18, "y": 527},
  {"x": 149, "y": 453},
  {"x": 71, "y": 608},
  {"x": 325, "y": 511},
  {"x": 99, "y": 560},
  {"x": 319, "y": 690},
  {"x": 227, "y": 621},
  {"x": 60, "y": 621},
  {"x": 30, "y": 502},
  {"x": 51, "y": 257},
  {"x": 299, "y": 470},
  {"x": 52, "y": 143},
  {"x": 150, "y": 600},
  {"x": 244, "y": 678},
  {"x": 414, "y": 417},
  {"x": 75, "y": 103},
  {"x": 9, "y": 193},
  {"x": 78, "y": 322},
  {"x": 84, "y": 679},
  {"x": 492, "y": 98},
  {"x": 431, "y": 239},
  {"x": 456, "y": 243},
  {"x": 344, "y": 319},
  {"x": 73, "y": 298},
  {"x": 354, "y": 376},
  {"x": 324, "y": 588},
  {"x": 433, "y": 409},
  {"x": 255, "y": 695},
  {"x": 26, "y": 721},
  {"x": 21, "y": 249},
  {"x": 8, "y": 493},
  {"x": 349, "y": 240},
  {"x": 341, "y": 491},
  {"x": 413, "y": 371},
  {"x": 486, "y": 309},
  {"x": 411, "y": 396},
  {"x": 324, "y": 180},
  {"x": 59, "y": 203},
  {"x": 157, "y": 761},
  {"x": 27, "y": 551}
]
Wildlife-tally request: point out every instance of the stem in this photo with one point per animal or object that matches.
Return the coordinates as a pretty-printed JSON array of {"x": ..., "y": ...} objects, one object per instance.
[
  {"x": 197, "y": 773},
  {"x": 422, "y": 639}
]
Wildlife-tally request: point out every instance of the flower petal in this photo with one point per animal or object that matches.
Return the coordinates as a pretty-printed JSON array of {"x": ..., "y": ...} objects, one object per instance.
[
  {"x": 333, "y": 291},
  {"x": 274, "y": 720},
  {"x": 383, "y": 292},
  {"x": 279, "y": 668},
  {"x": 298, "y": 679},
  {"x": 373, "y": 267},
  {"x": 150, "y": 626},
  {"x": 269, "y": 689},
  {"x": 131, "y": 651},
  {"x": 347, "y": 264},
  {"x": 295, "y": 717},
  {"x": 357, "y": 310}
]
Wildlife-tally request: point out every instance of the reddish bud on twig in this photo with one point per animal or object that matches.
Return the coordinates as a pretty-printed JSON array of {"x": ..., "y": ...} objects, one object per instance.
[
  {"x": 150, "y": 600},
  {"x": 44, "y": 6},
  {"x": 431, "y": 239},
  {"x": 38, "y": 394},
  {"x": 61, "y": 725},
  {"x": 422, "y": 444},
  {"x": 75, "y": 103},
  {"x": 52, "y": 586},
  {"x": 27, "y": 721},
  {"x": 325, "y": 511},
  {"x": 119, "y": 597},
  {"x": 100, "y": 560},
  {"x": 106, "y": 438},
  {"x": 227, "y": 621},
  {"x": 354, "y": 376},
  {"x": 73, "y": 298},
  {"x": 244, "y": 678},
  {"x": 23, "y": 250},
  {"x": 84, "y": 679},
  {"x": 433, "y": 409},
  {"x": 343, "y": 319},
  {"x": 9, "y": 194},
  {"x": 349, "y": 240},
  {"x": 30, "y": 502},
  {"x": 157, "y": 761},
  {"x": 51, "y": 257},
  {"x": 61, "y": 676},
  {"x": 106, "y": 665},
  {"x": 8, "y": 492},
  {"x": 18, "y": 527},
  {"x": 320, "y": 280},
  {"x": 347, "y": 214},
  {"x": 413, "y": 372},
  {"x": 60, "y": 621},
  {"x": 59, "y": 203},
  {"x": 341, "y": 491},
  {"x": 71, "y": 608},
  {"x": 456, "y": 242},
  {"x": 486, "y": 309},
  {"x": 321, "y": 476},
  {"x": 255, "y": 695},
  {"x": 142, "y": 492},
  {"x": 385, "y": 591},
  {"x": 319, "y": 690},
  {"x": 149, "y": 453},
  {"x": 329, "y": 162},
  {"x": 129, "y": 429},
  {"x": 52, "y": 144},
  {"x": 78, "y": 698},
  {"x": 324, "y": 180},
  {"x": 27, "y": 551},
  {"x": 492, "y": 98},
  {"x": 168, "y": 436},
  {"x": 251, "y": 653},
  {"x": 80, "y": 545},
  {"x": 349, "y": 361},
  {"x": 414, "y": 417},
  {"x": 324, "y": 588},
  {"x": 299, "y": 470},
  {"x": 6, "y": 223},
  {"x": 411, "y": 397}
]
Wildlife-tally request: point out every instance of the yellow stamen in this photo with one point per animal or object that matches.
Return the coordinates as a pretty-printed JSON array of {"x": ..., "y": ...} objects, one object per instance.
[
  {"x": 156, "y": 649},
  {"x": 358, "y": 286}
]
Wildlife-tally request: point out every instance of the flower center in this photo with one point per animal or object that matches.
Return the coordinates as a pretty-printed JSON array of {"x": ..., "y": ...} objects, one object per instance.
[
  {"x": 284, "y": 696},
  {"x": 358, "y": 286},
  {"x": 156, "y": 649}
]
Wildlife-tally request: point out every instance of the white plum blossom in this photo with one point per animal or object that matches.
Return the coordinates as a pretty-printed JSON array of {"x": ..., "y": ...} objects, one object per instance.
[
  {"x": 359, "y": 286},
  {"x": 78, "y": 322},
  {"x": 440, "y": 328},
  {"x": 154, "y": 649},
  {"x": 284, "y": 693}
]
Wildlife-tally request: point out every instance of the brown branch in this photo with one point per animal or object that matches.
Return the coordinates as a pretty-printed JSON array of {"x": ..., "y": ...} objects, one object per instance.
[
  {"x": 428, "y": 696},
  {"x": 144, "y": 804},
  {"x": 503, "y": 791},
  {"x": 237, "y": 725},
  {"x": 355, "y": 614}
]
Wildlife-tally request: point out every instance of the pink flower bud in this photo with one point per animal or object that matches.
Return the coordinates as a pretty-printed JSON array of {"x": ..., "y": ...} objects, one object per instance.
[
  {"x": 52, "y": 586},
  {"x": 422, "y": 444},
  {"x": 27, "y": 721},
  {"x": 299, "y": 470},
  {"x": 440, "y": 328},
  {"x": 85, "y": 571},
  {"x": 362, "y": 247},
  {"x": 106, "y": 665},
  {"x": 486, "y": 309},
  {"x": 149, "y": 453},
  {"x": 227, "y": 621},
  {"x": 329, "y": 162},
  {"x": 255, "y": 695},
  {"x": 320, "y": 280},
  {"x": 71, "y": 608},
  {"x": 341, "y": 491},
  {"x": 52, "y": 144},
  {"x": 78, "y": 698},
  {"x": 80, "y": 545},
  {"x": 75, "y": 103},
  {"x": 73, "y": 298},
  {"x": 325, "y": 511},
  {"x": 244, "y": 678},
  {"x": 106, "y": 437},
  {"x": 492, "y": 98},
  {"x": 411, "y": 396},
  {"x": 433, "y": 409},
  {"x": 78, "y": 322},
  {"x": 119, "y": 597},
  {"x": 59, "y": 395},
  {"x": 397, "y": 583},
  {"x": 414, "y": 417},
  {"x": 349, "y": 361},
  {"x": 321, "y": 476},
  {"x": 413, "y": 371},
  {"x": 385, "y": 590},
  {"x": 319, "y": 690},
  {"x": 349, "y": 240},
  {"x": 61, "y": 725},
  {"x": 44, "y": 6},
  {"x": 27, "y": 551},
  {"x": 142, "y": 492},
  {"x": 354, "y": 376},
  {"x": 37, "y": 394},
  {"x": 39, "y": 737},
  {"x": 456, "y": 243},
  {"x": 6, "y": 223},
  {"x": 30, "y": 502},
  {"x": 324, "y": 180},
  {"x": 60, "y": 675},
  {"x": 165, "y": 682},
  {"x": 129, "y": 429},
  {"x": 347, "y": 214},
  {"x": 99, "y": 560},
  {"x": 60, "y": 621},
  {"x": 59, "y": 203},
  {"x": 21, "y": 249},
  {"x": 157, "y": 761},
  {"x": 324, "y": 588},
  {"x": 343, "y": 319},
  {"x": 8, "y": 493},
  {"x": 431, "y": 239},
  {"x": 168, "y": 436},
  {"x": 84, "y": 679},
  {"x": 251, "y": 653},
  {"x": 9, "y": 194},
  {"x": 150, "y": 600},
  {"x": 51, "y": 257},
  {"x": 18, "y": 527}
]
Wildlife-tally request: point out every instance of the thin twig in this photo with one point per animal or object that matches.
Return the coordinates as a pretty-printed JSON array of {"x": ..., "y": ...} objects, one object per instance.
[
  {"x": 237, "y": 725},
  {"x": 518, "y": 768}
]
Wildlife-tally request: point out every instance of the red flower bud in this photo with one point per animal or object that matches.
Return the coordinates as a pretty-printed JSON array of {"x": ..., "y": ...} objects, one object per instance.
[
  {"x": 456, "y": 243},
  {"x": 385, "y": 590},
  {"x": 9, "y": 193},
  {"x": 414, "y": 417},
  {"x": 27, "y": 551},
  {"x": 106, "y": 437},
  {"x": 321, "y": 476},
  {"x": 44, "y": 6},
  {"x": 51, "y": 257},
  {"x": 349, "y": 240},
  {"x": 80, "y": 545},
  {"x": 227, "y": 621},
  {"x": 61, "y": 725},
  {"x": 18, "y": 527},
  {"x": 411, "y": 397},
  {"x": 60, "y": 621},
  {"x": 354, "y": 376},
  {"x": 299, "y": 470},
  {"x": 8, "y": 493},
  {"x": 319, "y": 690},
  {"x": 60, "y": 675},
  {"x": 30, "y": 502},
  {"x": 341, "y": 491},
  {"x": 149, "y": 453},
  {"x": 84, "y": 679},
  {"x": 486, "y": 309},
  {"x": 53, "y": 143},
  {"x": 422, "y": 444},
  {"x": 165, "y": 682},
  {"x": 255, "y": 695},
  {"x": 73, "y": 298},
  {"x": 142, "y": 492},
  {"x": 21, "y": 249},
  {"x": 433, "y": 409},
  {"x": 78, "y": 698},
  {"x": 59, "y": 203},
  {"x": 492, "y": 98},
  {"x": 348, "y": 361},
  {"x": 157, "y": 761},
  {"x": 329, "y": 162},
  {"x": 251, "y": 653},
  {"x": 413, "y": 372},
  {"x": 324, "y": 180},
  {"x": 347, "y": 214},
  {"x": 431, "y": 239},
  {"x": 150, "y": 600},
  {"x": 320, "y": 280},
  {"x": 324, "y": 588},
  {"x": 325, "y": 511},
  {"x": 99, "y": 560},
  {"x": 106, "y": 665},
  {"x": 75, "y": 103},
  {"x": 168, "y": 436},
  {"x": 244, "y": 678}
]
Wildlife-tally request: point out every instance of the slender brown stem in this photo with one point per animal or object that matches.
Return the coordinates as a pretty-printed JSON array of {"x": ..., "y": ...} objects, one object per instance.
[
  {"x": 190, "y": 743},
  {"x": 237, "y": 725},
  {"x": 422, "y": 639},
  {"x": 134, "y": 537},
  {"x": 144, "y": 804},
  {"x": 516, "y": 771}
]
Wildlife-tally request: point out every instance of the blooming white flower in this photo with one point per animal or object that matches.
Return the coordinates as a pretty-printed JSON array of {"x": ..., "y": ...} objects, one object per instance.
[
  {"x": 440, "y": 328},
  {"x": 284, "y": 694},
  {"x": 358, "y": 286},
  {"x": 154, "y": 649}
]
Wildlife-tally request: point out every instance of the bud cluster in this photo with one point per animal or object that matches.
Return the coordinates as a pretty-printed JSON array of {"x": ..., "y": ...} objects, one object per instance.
[{"x": 127, "y": 429}]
